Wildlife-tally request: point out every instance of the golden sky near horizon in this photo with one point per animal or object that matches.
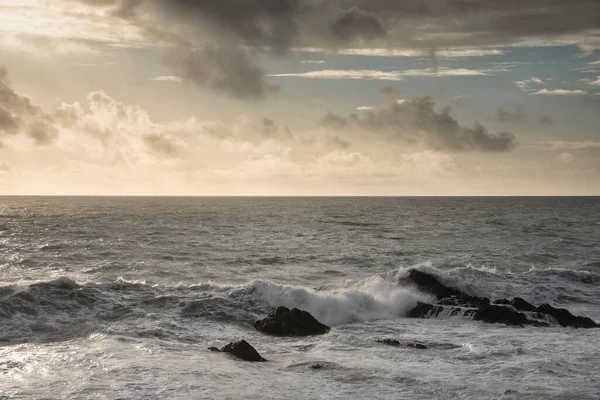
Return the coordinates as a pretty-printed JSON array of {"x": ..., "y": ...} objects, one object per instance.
[{"x": 299, "y": 97}]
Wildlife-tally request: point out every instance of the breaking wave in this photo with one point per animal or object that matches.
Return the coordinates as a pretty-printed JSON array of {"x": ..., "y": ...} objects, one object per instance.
[{"x": 63, "y": 308}]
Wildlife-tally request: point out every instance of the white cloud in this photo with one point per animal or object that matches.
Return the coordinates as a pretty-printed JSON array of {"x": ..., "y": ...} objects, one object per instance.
[
  {"x": 49, "y": 47},
  {"x": 382, "y": 52},
  {"x": 169, "y": 78},
  {"x": 560, "y": 92},
  {"x": 65, "y": 20},
  {"x": 524, "y": 84},
  {"x": 364, "y": 108},
  {"x": 596, "y": 82},
  {"x": 445, "y": 72},
  {"x": 345, "y": 74},
  {"x": 583, "y": 145},
  {"x": 314, "y": 62},
  {"x": 566, "y": 157},
  {"x": 385, "y": 75}
]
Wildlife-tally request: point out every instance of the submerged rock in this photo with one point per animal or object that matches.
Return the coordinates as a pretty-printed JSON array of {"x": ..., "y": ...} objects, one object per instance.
[
  {"x": 515, "y": 312},
  {"x": 397, "y": 343},
  {"x": 294, "y": 322},
  {"x": 241, "y": 349},
  {"x": 389, "y": 342}
]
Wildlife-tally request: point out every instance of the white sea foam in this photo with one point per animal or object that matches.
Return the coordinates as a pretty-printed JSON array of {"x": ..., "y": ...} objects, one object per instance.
[{"x": 372, "y": 299}]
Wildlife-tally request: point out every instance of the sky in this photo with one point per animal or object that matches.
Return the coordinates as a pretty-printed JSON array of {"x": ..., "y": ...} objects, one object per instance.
[{"x": 300, "y": 97}]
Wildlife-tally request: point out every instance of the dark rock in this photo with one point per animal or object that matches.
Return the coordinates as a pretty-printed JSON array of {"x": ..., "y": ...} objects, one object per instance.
[
  {"x": 316, "y": 366},
  {"x": 522, "y": 305},
  {"x": 421, "y": 310},
  {"x": 396, "y": 343},
  {"x": 517, "y": 302},
  {"x": 294, "y": 322},
  {"x": 538, "y": 323},
  {"x": 445, "y": 295},
  {"x": 428, "y": 283},
  {"x": 451, "y": 302},
  {"x": 241, "y": 349},
  {"x": 424, "y": 310},
  {"x": 389, "y": 342},
  {"x": 565, "y": 318},
  {"x": 500, "y": 314}
]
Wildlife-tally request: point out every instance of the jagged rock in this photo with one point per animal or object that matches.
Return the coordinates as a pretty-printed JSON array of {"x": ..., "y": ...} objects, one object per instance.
[
  {"x": 294, "y": 322},
  {"x": 428, "y": 283},
  {"x": 565, "y": 318},
  {"x": 500, "y": 314},
  {"x": 241, "y": 349},
  {"x": 521, "y": 304},
  {"x": 445, "y": 295},
  {"x": 421, "y": 310},
  {"x": 451, "y": 301},
  {"x": 417, "y": 346},
  {"x": 518, "y": 303}
]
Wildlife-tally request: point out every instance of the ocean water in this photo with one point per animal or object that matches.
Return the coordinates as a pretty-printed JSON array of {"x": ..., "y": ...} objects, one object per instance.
[{"x": 119, "y": 298}]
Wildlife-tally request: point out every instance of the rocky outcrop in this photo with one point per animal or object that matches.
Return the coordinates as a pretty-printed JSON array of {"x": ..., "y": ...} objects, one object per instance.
[
  {"x": 517, "y": 312},
  {"x": 242, "y": 350},
  {"x": 500, "y": 314},
  {"x": 565, "y": 318},
  {"x": 422, "y": 310},
  {"x": 294, "y": 322},
  {"x": 446, "y": 295}
]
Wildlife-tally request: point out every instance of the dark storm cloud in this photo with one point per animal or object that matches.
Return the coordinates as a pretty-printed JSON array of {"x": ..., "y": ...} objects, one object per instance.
[
  {"x": 42, "y": 130},
  {"x": 389, "y": 92},
  {"x": 9, "y": 123},
  {"x": 18, "y": 115},
  {"x": 335, "y": 121},
  {"x": 355, "y": 23},
  {"x": 511, "y": 116},
  {"x": 416, "y": 121},
  {"x": 271, "y": 130},
  {"x": 239, "y": 27},
  {"x": 546, "y": 121},
  {"x": 229, "y": 70}
]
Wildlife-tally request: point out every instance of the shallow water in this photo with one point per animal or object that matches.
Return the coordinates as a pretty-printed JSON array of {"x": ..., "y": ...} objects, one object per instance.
[{"x": 121, "y": 297}]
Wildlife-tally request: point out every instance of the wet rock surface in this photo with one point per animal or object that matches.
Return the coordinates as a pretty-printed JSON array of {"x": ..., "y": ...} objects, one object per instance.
[
  {"x": 242, "y": 350},
  {"x": 294, "y": 322},
  {"x": 515, "y": 312},
  {"x": 397, "y": 343}
]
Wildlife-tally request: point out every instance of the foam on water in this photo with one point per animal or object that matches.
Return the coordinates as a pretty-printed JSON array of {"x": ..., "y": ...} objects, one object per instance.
[
  {"x": 371, "y": 299},
  {"x": 120, "y": 298}
]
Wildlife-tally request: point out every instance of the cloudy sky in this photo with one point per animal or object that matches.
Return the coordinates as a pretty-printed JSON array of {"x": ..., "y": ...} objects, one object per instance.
[{"x": 300, "y": 97}]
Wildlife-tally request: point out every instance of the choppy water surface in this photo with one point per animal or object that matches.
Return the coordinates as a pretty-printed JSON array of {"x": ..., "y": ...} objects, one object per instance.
[{"x": 106, "y": 298}]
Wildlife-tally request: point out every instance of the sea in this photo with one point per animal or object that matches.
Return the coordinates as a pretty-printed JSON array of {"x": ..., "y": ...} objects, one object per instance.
[{"x": 121, "y": 297}]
